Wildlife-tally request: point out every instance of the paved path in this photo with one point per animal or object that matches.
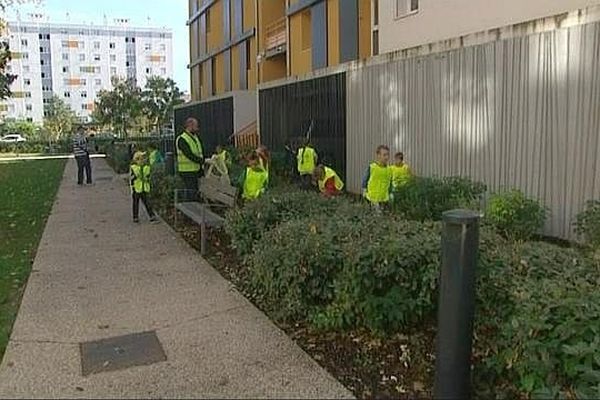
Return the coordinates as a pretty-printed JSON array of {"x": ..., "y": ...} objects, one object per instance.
[{"x": 97, "y": 275}]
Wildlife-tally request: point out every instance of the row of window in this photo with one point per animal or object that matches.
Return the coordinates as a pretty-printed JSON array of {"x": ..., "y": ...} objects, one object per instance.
[{"x": 97, "y": 45}]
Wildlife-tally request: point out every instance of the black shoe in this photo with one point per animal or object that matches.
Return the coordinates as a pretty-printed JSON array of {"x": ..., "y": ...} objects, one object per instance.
[
  {"x": 136, "y": 220},
  {"x": 154, "y": 220}
]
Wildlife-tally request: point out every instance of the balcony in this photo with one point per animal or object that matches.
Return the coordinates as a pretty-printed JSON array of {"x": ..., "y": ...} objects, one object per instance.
[{"x": 275, "y": 38}]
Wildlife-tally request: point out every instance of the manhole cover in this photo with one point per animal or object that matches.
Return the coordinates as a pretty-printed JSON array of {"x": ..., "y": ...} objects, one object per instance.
[{"x": 120, "y": 352}]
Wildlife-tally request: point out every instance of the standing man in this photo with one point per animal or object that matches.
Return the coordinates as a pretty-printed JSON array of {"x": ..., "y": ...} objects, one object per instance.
[
  {"x": 189, "y": 156},
  {"x": 82, "y": 156}
]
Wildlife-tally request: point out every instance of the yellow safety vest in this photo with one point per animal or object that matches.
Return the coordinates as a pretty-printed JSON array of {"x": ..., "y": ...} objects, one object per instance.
[
  {"x": 400, "y": 175},
  {"x": 184, "y": 164},
  {"x": 329, "y": 173},
  {"x": 141, "y": 175},
  {"x": 225, "y": 157},
  {"x": 307, "y": 160},
  {"x": 378, "y": 187},
  {"x": 254, "y": 183}
]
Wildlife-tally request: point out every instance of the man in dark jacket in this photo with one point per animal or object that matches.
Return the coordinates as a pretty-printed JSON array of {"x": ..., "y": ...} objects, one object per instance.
[
  {"x": 82, "y": 156},
  {"x": 190, "y": 157}
]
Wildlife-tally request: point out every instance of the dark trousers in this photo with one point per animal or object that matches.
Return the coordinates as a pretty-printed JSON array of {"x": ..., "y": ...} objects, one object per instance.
[
  {"x": 190, "y": 182},
  {"x": 136, "y": 204},
  {"x": 305, "y": 181},
  {"x": 84, "y": 164}
]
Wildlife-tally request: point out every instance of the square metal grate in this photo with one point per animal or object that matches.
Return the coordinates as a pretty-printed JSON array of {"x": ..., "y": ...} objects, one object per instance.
[{"x": 120, "y": 352}]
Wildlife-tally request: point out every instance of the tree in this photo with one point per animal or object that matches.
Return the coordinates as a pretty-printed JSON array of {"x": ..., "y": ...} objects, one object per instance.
[
  {"x": 59, "y": 119},
  {"x": 159, "y": 97},
  {"x": 23, "y": 127},
  {"x": 120, "y": 108}
]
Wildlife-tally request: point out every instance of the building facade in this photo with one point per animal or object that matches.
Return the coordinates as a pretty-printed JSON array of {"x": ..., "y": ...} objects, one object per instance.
[
  {"x": 403, "y": 24},
  {"x": 237, "y": 44},
  {"x": 75, "y": 62}
]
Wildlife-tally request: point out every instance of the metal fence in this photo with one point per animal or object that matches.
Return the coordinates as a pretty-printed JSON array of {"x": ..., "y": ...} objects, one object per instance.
[{"x": 518, "y": 113}]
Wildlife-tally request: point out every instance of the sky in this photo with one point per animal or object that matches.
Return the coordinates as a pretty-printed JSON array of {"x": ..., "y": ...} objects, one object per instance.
[{"x": 156, "y": 13}]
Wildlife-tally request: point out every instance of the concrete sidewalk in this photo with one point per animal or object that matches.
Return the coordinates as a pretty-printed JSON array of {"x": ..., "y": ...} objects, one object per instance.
[{"x": 97, "y": 276}]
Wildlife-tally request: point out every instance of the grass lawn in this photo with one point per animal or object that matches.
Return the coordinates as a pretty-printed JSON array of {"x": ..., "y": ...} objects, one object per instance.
[{"x": 27, "y": 191}]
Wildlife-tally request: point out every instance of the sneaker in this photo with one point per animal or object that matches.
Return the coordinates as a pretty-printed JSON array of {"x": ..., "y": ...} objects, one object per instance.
[
  {"x": 154, "y": 220},
  {"x": 136, "y": 220}
]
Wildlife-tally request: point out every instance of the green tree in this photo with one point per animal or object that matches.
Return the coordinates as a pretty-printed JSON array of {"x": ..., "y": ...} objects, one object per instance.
[
  {"x": 30, "y": 130},
  {"x": 119, "y": 108},
  {"x": 59, "y": 119},
  {"x": 159, "y": 97}
]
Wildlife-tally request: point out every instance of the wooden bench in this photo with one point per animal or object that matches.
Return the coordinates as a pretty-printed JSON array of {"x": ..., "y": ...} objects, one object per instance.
[{"x": 214, "y": 193}]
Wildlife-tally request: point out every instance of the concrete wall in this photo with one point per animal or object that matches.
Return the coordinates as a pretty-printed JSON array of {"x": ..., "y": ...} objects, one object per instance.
[
  {"x": 244, "y": 106},
  {"x": 444, "y": 19}
]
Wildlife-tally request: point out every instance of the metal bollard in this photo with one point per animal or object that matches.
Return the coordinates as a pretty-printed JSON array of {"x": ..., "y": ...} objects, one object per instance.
[{"x": 460, "y": 242}]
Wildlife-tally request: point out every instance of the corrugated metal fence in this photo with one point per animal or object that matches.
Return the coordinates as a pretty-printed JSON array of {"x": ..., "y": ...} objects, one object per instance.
[{"x": 522, "y": 112}]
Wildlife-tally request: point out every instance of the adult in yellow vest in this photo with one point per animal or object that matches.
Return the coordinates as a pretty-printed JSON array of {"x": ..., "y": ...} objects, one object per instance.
[
  {"x": 254, "y": 180},
  {"x": 401, "y": 172},
  {"x": 140, "y": 186},
  {"x": 190, "y": 157},
  {"x": 377, "y": 182},
  {"x": 306, "y": 159},
  {"x": 328, "y": 181}
]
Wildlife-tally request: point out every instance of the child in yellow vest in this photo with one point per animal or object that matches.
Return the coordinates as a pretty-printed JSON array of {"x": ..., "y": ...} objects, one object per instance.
[
  {"x": 254, "y": 180},
  {"x": 328, "y": 181},
  {"x": 140, "y": 186},
  {"x": 401, "y": 172},
  {"x": 306, "y": 159},
  {"x": 377, "y": 181}
]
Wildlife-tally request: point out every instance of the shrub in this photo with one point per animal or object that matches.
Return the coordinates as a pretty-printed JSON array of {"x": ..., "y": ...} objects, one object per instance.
[
  {"x": 587, "y": 224},
  {"x": 542, "y": 333},
  {"x": 117, "y": 155},
  {"x": 514, "y": 215},
  {"x": 424, "y": 198},
  {"x": 246, "y": 224},
  {"x": 163, "y": 187}
]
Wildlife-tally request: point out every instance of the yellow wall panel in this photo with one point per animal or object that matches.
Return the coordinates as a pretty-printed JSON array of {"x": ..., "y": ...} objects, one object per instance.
[
  {"x": 364, "y": 28},
  {"x": 235, "y": 68},
  {"x": 252, "y": 71},
  {"x": 249, "y": 11},
  {"x": 219, "y": 71},
  {"x": 333, "y": 32},
  {"x": 300, "y": 59}
]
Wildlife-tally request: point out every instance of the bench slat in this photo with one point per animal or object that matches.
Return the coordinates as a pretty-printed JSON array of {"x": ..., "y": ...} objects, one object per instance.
[
  {"x": 194, "y": 211},
  {"x": 213, "y": 194},
  {"x": 218, "y": 185}
]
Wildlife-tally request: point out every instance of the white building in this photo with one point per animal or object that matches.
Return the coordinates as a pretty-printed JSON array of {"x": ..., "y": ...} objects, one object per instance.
[
  {"x": 75, "y": 62},
  {"x": 403, "y": 24}
]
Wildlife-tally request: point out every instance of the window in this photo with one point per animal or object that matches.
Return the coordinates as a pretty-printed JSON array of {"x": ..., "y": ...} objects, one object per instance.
[
  {"x": 207, "y": 17},
  {"x": 96, "y": 45},
  {"x": 375, "y": 12},
  {"x": 148, "y": 46},
  {"x": 46, "y": 101},
  {"x": 28, "y": 107},
  {"x": 29, "y": 119},
  {"x": 406, "y": 7},
  {"x": 28, "y": 94},
  {"x": 306, "y": 30},
  {"x": 41, "y": 36},
  {"x": 132, "y": 40},
  {"x": 45, "y": 88},
  {"x": 375, "y": 42},
  {"x": 42, "y": 62},
  {"x": 83, "y": 81},
  {"x": 65, "y": 56},
  {"x": 67, "y": 94},
  {"x": 65, "y": 70},
  {"x": 42, "y": 49},
  {"x": 96, "y": 57},
  {"x": 25, "y": 56},
  {"x": 26, "y": 69},
  {"x": 24, "y": 42},
  {"x": 98, "y": 82},
  {"x": 27, "y": 82},
  {"x": 82, "y": 57},
  {"x": 148, "y": 70},
  {"x": 47, "y": 36},
  {"x": 43, "y": 75},
  {"x": 163, "y": 47},
  {"x": 113, "y": 70},
  {"x": 163, "y": 71},
  {"x": 248, "y": 58},
  {"x": 111, "y": 45},
  {"x": 84, "y": 94},
  {"x": 127, "y": 63},
  {"x": 113, "y": 58}
]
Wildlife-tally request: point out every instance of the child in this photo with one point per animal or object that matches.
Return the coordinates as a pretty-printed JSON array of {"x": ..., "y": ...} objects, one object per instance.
[
  {"x": 224, "y": 156},
  {"x": 401, "y": 172},
  {"x": 306, "y": 163},
  {"x": 377, "y": 181},
  {"x": 140, "y": 186},
  {"x": 328, "y": 181},
  {"x": 254, "y": 179},
  {"x": 155, "y": 158}
]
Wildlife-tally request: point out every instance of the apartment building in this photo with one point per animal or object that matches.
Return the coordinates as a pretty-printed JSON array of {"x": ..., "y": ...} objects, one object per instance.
[
  {"x": 75, "y": 62},
  {"x": 237, "y": 44},
  {"x": 402, "y": 24}
]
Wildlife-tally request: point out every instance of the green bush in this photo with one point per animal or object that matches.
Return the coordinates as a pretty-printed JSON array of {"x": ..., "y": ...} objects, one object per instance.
[
  {"x": 117, "y": 156},
  {"x": 514, "y": 215},
  {"x": 245, "y": 225},
  {"x": 538, "y": 321},
  {"x": 587, "y": 224},
  {"x": 424, "y": 198},
  {"x": 163, "y": 187}
]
